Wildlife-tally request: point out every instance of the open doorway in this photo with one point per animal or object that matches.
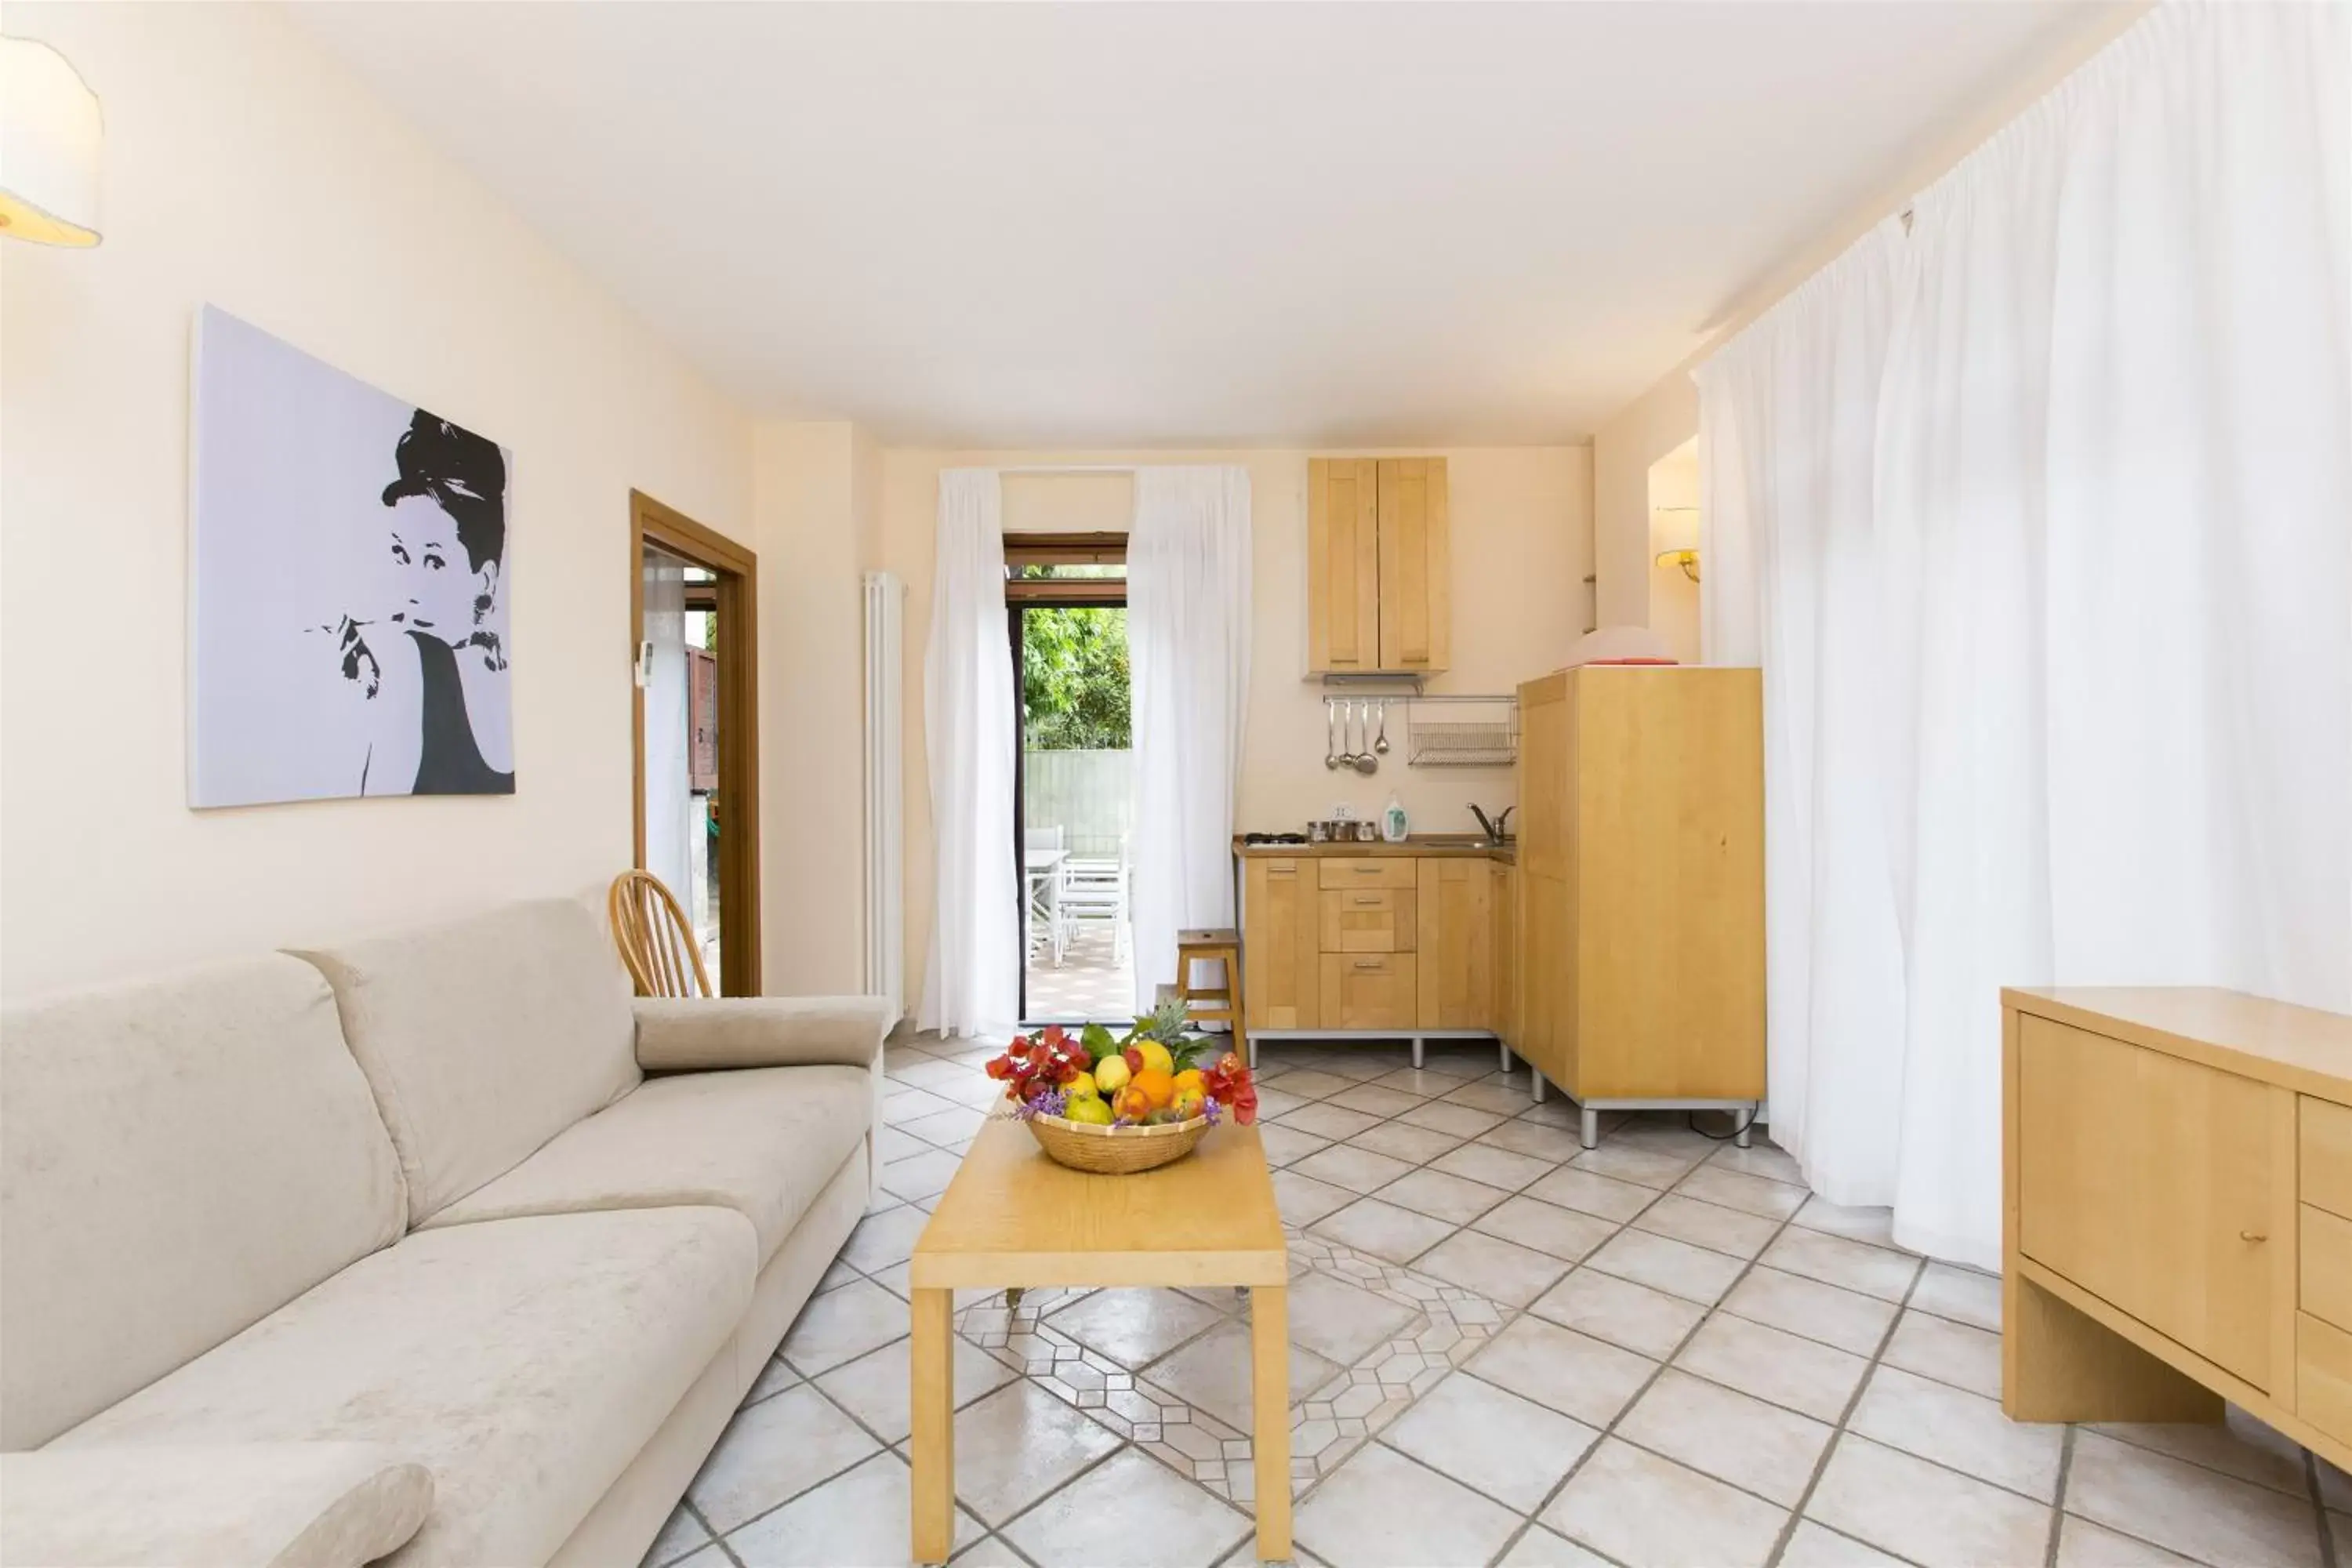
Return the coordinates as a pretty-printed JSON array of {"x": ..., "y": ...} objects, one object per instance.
[
  {"x": 694, "y": 647},
  {"x": 1065, "y": 614}
]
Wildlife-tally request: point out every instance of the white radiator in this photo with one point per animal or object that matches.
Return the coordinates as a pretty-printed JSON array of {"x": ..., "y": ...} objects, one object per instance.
[{"x": 885, "y": 904}]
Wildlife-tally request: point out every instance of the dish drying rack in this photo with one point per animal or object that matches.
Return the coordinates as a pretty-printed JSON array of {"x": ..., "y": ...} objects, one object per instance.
[{"x": 1467, "y": 732}]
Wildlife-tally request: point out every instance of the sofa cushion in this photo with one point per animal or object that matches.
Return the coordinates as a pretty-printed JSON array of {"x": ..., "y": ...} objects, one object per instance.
[
  {"x": 178, "y": 1159},
  {"x": 523, "y": 1362},
  {"x": 285, "y": 1505},
  {"x": 485, "y": 1037},
  {"x": 706, "y": 1034},
  {"x": 762, "y": 1141}
]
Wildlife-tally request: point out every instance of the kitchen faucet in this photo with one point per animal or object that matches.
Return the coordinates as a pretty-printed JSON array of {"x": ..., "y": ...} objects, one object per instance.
[{"x": 1493, "y": 827}]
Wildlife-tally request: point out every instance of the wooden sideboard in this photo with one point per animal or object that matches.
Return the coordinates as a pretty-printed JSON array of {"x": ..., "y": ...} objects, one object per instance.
[{"x": 2177, "y": 1210}]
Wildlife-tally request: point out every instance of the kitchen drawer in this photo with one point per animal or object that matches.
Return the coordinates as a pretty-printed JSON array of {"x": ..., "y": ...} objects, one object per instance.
[
  {"x": 1367, "y": 920},
  {"x": 2328, "y": 1155},
  {"x": 2323, "y": 1377},
  {"x": 2325, "y": 1255},
  {"x": 1369, "y": 991},
  {"x": 1371, "y": 871}
]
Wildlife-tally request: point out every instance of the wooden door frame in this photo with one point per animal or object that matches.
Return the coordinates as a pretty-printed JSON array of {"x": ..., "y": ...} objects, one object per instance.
[
  {"x": 738, "y": 595},
  {"x": 1022, "y": 594}
]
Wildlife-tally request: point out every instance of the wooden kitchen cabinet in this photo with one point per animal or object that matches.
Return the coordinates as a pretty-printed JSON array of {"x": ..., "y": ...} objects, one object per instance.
[
  {"x": 1282, "y": 977},
  {"x": 1343, "y": 566},
  {"x": 1399, "y": 942},
  {"x": 1378, "y": 566},
  {"x": 1456, "y": 944},
  {"x": 1640, "y": 886},
  {"x": 1506, "y": 952},
  {"x": 2175, "y": 1232},
  {"x": 1416, "y": 604},
  {"x": 1373, "y": 992}
]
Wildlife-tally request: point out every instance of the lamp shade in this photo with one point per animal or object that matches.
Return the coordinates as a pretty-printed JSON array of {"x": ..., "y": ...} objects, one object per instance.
[{"x": 49, "y": 138}]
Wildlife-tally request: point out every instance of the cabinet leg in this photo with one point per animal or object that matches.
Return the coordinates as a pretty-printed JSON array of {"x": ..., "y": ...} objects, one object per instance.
[
  {"x": 1535, "y": 1085},
  {"x": 1416, "y": 1052},
  {"x": 1744, "y": 1136},
  {"x": 1588, "y": 1128},
  {"x": 2059, "y": 1364},
  {"x": 1504, "y": 1052}
]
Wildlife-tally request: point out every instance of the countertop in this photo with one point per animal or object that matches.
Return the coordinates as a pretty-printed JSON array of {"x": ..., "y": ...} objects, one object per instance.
[{"x": 1451, "y": 846}]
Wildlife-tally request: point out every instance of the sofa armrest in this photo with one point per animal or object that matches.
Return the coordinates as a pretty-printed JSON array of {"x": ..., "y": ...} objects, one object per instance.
[
  {"x": 708, "y": 1034},
  {"x": 317, "y": 1505}
]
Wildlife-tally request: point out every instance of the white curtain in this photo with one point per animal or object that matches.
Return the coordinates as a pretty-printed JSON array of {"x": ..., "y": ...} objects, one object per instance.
[
  {"x": 1188, "y": 634},
  {"x": 2039, "y": 518},
  {"x": 971, "y": 980}
]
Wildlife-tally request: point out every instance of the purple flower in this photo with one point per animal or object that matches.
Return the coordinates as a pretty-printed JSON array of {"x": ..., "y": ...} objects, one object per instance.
[{"x": 1210, "y": 1110}]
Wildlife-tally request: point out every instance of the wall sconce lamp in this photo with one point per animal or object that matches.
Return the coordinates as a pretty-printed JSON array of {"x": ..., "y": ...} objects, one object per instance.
[
  {"x": 1686, "y": 559},
  {"x": 49, "y": 138}
]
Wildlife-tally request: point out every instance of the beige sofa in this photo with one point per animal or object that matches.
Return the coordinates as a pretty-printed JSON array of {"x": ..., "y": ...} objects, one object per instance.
[{"x": 437, "y": 1241}]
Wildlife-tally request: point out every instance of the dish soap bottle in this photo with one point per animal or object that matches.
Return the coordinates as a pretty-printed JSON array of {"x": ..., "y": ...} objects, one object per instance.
[{"x": 1392, "y": 824}]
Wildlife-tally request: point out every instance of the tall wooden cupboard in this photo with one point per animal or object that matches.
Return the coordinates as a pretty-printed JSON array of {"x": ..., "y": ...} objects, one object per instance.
[{"x": 1640, "y": 972}]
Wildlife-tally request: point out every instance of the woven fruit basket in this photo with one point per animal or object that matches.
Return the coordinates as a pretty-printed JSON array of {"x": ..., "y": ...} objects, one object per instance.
[
  {"x": 1117, "y": 1106},
  {"x": 1115, "y": 1151}
]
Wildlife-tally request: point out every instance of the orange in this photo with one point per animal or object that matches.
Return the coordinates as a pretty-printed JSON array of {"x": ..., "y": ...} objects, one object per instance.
[{"x": 1155, "y": 1085}]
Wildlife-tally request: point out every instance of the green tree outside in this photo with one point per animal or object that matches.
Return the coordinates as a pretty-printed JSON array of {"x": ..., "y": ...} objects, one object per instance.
[{"x": 1074, "y": 693}]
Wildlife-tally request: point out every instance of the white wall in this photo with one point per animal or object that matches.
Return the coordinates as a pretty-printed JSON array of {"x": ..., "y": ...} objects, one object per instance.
[
  {"x": 1522, "y": 537},
  {"x": 1673, "y": 525},
  {"x": 245, "y": 167}
]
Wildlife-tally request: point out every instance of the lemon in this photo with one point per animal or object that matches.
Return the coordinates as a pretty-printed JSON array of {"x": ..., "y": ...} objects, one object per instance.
[
  {"x": 1110, "y": 1075},
  {"x": 1155, "y": 1054},
  {"x": 1083, "y": 1087},
  {"x": 1090, "y": 1109}
]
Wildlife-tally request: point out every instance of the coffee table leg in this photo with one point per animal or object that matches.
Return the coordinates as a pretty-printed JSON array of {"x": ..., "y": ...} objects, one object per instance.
[
  {"x": 931, "y": 1401},
  {"x": 1270, "y": 1428}
]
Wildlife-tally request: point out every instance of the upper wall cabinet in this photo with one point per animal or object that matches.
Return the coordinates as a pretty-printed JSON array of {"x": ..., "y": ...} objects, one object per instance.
[{"x": 1377, "y": 555}]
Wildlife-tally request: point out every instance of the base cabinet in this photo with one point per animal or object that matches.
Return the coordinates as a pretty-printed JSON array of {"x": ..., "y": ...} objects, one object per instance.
[
  {"x": 1395, "y": 943},
  {"x": 1282, "y": 977},
  {"x": 1369, "y": 991}
]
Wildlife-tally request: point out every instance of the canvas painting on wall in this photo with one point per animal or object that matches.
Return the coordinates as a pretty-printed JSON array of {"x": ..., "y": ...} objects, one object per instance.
[{"x": 349, "y": 581}]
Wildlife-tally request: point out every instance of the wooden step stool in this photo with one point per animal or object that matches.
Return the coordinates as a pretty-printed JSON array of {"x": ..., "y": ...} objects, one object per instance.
[{"x": 1222, "y": 1007}]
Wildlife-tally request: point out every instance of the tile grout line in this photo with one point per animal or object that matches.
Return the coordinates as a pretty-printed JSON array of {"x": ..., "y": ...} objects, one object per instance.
[
  {"x": 1839, "y": 1428},
  {"x": 2058, "y": 1495},
  {"x": 2327, "y": 1557}
]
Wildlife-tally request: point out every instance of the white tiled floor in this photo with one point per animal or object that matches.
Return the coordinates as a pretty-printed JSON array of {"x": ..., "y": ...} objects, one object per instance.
[{"x": 1662, "y": 1354}]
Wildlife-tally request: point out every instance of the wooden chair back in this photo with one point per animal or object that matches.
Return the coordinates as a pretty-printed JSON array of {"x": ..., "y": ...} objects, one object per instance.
[{"x": 656, "y": 938}]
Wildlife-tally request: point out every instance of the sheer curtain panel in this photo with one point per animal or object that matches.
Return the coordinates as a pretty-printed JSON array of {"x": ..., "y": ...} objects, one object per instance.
[
  {"x": 1188, "y": 633},
  {"x": 971, "y": 979},
  {"x": 2036, "y": 516}
]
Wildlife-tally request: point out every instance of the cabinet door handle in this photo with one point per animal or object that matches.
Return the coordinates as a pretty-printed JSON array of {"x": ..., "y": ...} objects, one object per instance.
[
  {"x": 1368, "y": 898},
  {"x": 2252, "y": 1235},
  {"x": 1372, "y": 964},
  {"x": 1367, "y": 870},
  {"x": 1282, "y": 870}
]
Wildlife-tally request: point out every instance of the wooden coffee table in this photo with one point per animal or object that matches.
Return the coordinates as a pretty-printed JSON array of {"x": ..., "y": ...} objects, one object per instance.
[{"x": 1013, "y": 1219}]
